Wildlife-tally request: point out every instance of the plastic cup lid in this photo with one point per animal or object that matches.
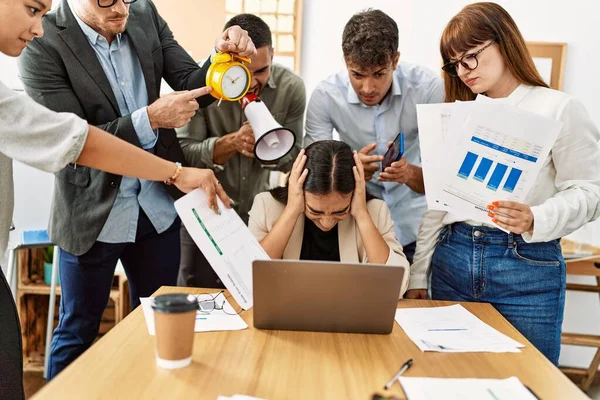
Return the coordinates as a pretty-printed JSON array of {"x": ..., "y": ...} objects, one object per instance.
[{"x": 175, "y": 303}]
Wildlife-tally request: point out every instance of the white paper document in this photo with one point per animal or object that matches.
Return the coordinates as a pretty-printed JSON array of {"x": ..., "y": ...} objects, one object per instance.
[
  {"x": 465, "y": 389},
  {"x": 238, "y": 397},
  {"x": 216, "y": 320},
  {"x": 433, "y": 122},
  {"x": 478, "y": 152},
  {"x": 452, "y": 329},
  {"x": 225, "y": 241}
]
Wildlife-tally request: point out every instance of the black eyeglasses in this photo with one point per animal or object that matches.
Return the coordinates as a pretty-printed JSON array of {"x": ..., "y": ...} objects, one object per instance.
[
  {"x": 110, "y": 3},
  {"x": 209, "y": 302},
  {"x": 468, "y": 61}
]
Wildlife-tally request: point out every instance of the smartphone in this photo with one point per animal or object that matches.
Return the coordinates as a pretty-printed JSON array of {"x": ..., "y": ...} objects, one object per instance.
[{"x": 394, "y": 153}]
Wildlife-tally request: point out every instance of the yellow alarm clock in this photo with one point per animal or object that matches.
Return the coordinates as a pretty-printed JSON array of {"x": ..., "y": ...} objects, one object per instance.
[{"x": 228, "y": 77}]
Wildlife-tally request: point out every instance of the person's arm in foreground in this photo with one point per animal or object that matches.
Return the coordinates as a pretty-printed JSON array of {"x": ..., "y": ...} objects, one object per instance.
[{"x": 107, "y": 153}]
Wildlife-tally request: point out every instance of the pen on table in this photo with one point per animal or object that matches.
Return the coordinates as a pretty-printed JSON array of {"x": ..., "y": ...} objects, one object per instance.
[{"x": 403, "y": 369}]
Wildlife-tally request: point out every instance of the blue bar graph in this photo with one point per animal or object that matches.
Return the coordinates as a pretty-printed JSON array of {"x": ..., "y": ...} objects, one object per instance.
[
  {"x": 467, "y": 165},
  {"x": 497, "y": 176},
  {"x": 512, "y": 180},
  {"x": 483, "y": 169}
]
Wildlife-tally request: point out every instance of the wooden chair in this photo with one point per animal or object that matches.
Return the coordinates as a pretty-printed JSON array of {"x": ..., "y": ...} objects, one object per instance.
[{"x": 585, "y": 266}]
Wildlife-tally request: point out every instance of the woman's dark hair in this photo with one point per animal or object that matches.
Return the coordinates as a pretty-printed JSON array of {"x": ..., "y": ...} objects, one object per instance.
[{"x": 329, "y": 164}]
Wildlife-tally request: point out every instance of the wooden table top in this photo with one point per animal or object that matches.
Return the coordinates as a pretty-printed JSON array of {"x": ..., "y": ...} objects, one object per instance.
[{"x": 279, "y": 365}]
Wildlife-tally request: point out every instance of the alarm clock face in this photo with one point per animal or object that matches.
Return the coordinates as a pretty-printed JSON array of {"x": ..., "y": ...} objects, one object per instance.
[{"x": 235, "y": 82}]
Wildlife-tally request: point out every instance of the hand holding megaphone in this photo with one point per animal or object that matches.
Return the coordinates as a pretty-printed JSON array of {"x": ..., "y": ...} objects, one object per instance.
[
  {"x": 271, "y": 140},
  {"x": 244, "y": 140}
]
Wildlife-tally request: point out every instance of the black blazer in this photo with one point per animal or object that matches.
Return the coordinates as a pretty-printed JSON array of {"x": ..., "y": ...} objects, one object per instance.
[{"x": 60, "y": 70}]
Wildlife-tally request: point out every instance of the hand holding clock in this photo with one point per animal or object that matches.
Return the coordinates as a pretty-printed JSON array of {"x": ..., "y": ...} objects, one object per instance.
[{"x": 235, "y": 40}]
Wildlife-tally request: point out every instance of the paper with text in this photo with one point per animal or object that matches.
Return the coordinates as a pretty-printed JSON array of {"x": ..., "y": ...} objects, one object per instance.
[
  {"x": 497, "y": 155},
  {"x": 225, "y": 241},
  {"x": 216, "y": 320},
  {"x": 452, "y": 329},
  {"x": 465, "y": 389},
  {"x": 477, "y": 152}
]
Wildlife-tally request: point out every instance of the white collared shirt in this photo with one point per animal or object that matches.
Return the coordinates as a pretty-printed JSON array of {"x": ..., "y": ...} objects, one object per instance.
[{"x": 566, "y": 194}]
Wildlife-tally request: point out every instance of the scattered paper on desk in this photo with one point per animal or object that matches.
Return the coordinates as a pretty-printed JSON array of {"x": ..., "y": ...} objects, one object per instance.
[
  {"x": 225, "y": 241},
  {"x": 216, "y": 320},
  {"x": 452, "y": 329},
  {"x": 465, "y": 389}
]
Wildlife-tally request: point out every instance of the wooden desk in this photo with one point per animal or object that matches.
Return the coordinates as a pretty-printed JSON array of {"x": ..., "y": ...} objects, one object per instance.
[{"x": 278, "y": 365}]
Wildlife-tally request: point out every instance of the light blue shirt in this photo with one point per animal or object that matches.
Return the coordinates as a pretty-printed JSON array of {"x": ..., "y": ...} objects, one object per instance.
[
  {"x": 124, "y": 73},
  {"x": 335, "y": 105}
]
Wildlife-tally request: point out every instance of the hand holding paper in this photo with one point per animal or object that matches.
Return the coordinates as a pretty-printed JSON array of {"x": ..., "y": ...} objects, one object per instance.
[{"x": 225, "y": 241}]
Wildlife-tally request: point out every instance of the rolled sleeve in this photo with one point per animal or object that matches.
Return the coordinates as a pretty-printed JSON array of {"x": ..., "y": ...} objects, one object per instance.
[
  {"x": 576, "y": 157},
  {"x": 37, "y": 136},
  {"x": 141, "y": 124},
  {"x": 197, "y": 145}
]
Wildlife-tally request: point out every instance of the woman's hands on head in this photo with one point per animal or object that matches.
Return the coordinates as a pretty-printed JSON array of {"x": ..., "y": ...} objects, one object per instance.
[
  {"x": 296, "y": 181},
  {"x": 358, "y": 207}
]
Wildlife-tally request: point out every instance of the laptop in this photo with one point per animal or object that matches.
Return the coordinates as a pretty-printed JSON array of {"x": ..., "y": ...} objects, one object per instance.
[{"x": 325, "y": 296}]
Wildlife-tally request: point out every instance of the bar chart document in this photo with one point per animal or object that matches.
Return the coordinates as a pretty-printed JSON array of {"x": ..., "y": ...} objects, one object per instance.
[
  {"x": 497, "y": 155},
  {"x": 225, "y": 241}
]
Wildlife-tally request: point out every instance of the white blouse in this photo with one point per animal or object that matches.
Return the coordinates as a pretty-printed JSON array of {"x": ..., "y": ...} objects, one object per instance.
[
  {"x": 36, "y": 136},
  {"x": 566, "y": 194}
]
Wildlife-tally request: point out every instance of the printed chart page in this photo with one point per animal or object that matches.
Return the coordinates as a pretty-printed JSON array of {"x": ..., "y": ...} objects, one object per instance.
[
  {"x": 498, "y": 153},
  {"x": 225, "y": 241}
]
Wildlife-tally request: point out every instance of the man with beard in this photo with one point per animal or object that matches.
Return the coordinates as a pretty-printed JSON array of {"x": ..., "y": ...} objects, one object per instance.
[
  {"x": 368, "y": 104},
  {"x": 104, "y": 60},
  {"x": 220, "y": 138}
]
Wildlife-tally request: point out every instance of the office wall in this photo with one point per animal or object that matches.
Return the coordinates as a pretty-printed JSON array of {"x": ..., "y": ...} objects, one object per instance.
[
  {"x": 421, "y": 23},
  {"x": 195, "y": 23}
]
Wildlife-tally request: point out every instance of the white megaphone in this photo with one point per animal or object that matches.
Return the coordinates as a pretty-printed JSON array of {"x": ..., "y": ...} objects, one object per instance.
[{"x": 271, "y": 140}]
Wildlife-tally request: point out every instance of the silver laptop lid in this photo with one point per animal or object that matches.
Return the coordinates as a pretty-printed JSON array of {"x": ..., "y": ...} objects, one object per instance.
[{"x": 325, "y": 296}]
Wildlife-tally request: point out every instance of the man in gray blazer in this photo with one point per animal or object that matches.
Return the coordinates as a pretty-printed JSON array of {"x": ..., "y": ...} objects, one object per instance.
[{"x": 104, "y": 60}]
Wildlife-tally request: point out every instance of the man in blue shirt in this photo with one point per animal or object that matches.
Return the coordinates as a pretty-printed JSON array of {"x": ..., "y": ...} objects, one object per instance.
[
  {"x": 104, "y": 61},
  {"x": 368, "y": 105}
]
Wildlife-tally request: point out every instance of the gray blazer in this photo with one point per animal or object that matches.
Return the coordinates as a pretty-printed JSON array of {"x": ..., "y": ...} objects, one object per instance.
[{"x": 60, "y": 70}]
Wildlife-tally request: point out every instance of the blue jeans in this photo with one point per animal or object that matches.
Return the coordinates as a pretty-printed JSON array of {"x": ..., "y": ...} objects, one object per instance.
[
  {"x": 86, "y": 280},
  {"x": 525, "y": 282}
]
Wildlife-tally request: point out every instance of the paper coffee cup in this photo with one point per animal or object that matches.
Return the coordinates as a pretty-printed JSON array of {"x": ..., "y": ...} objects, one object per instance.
[{"x": 174, "y": 319}]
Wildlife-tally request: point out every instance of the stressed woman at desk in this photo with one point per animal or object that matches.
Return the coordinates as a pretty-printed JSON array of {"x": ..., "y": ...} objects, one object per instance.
[{"x": 323, "y": 213}]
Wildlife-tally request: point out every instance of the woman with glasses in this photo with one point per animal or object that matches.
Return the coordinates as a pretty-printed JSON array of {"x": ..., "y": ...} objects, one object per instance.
[
  {"x": 522, "y": 272},
  {"x": 323, "y": 213}
]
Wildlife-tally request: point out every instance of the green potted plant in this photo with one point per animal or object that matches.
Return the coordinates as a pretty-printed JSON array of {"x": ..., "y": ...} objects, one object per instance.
[{"x": 48, "y": 259}]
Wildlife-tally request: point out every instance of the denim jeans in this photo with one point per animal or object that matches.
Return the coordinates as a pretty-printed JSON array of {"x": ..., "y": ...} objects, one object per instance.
[
  {"x": 86, "y": 280},
  {"x": 525, "y": 282}
]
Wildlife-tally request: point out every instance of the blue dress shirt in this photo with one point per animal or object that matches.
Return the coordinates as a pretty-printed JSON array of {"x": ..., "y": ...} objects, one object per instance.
[
  {"x": 124, "y": 73},
  {"x": 335, "y": 105}
]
